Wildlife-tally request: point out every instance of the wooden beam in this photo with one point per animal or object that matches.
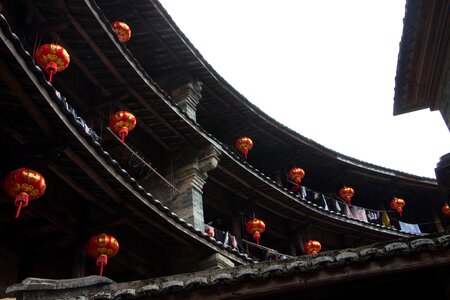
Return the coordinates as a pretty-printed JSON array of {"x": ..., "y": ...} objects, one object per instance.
[
  {"x": 116, "y": 73},
  {"x": 102, "y": 183},
  {"x": 78, "y": 188},
  {"x": 25, "y": 100}
]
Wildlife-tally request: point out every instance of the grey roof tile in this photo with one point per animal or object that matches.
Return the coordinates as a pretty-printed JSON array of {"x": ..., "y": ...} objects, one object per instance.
[
  {"x": 347, "y": 256},
  {"x": 248, "y": 271},
  {"x": 172, "y": 285},
  {"x": 422, "y": 243},
  {"x": 124, "y": 293},
  {"x": 298, "y": 265},
  {"x": 396, "y": 246},
  {"x": 321, "y": 261},
  {"x": 148, "y": 289},
  {"x": 196, "y": 281},
  {"x": 221, "y": 277},
  {"x": 443, "y": 240},
  {"x": 369, "y": 252},
  {"x": 273, "y": 269}
]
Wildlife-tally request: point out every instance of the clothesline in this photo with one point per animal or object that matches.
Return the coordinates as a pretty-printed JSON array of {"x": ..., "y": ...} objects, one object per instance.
[
  {"x": 371, "y": 216},
  {"x": 424, "y": 223}
]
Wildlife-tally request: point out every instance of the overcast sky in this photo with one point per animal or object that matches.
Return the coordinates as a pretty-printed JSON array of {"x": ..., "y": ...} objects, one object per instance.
[{"x": 325, "y": 69}]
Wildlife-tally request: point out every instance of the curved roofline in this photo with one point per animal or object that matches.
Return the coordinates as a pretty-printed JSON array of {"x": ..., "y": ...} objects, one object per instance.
[
  {"x": 57, "y": 102},
  {"x": 134, "y": 63},
  {"x": 271, "y": 121}
]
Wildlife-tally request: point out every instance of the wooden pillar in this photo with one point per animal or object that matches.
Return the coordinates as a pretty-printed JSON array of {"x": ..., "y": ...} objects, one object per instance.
[
  {"x": 292, "y": 244},
  {"x": 437, "y": 221}
]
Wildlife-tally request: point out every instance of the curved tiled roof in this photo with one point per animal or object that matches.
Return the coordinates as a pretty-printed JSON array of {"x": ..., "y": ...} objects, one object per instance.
[
  {"x": 90, "y": 140},
  {"x": 261, "y": 178},
  {"x": 316, "y": 268},
  {"x": 235, "y": 159},
  {"x": 327, "y": 160},
  {"x": 206, "y": 73}
]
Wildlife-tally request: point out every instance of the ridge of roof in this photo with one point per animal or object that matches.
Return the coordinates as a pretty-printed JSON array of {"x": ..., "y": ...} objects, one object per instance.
[
  {"x": 370, "y": 254},
  {"x": 346, "y": 158},
  {"x": 92, "y": 140},
  {"x": 87, "y": 132}
]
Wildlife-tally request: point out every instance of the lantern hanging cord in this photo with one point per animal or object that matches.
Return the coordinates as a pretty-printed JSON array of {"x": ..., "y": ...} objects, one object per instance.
[
  {"x": 387, "y": 211},
  {"x": 376, "y": 210},
  {"x": 264, "y": 248},
  {"x": 424, "y": 223},
  {"x": 142, "y": 160},
  {"x": 37, "y": 42}
]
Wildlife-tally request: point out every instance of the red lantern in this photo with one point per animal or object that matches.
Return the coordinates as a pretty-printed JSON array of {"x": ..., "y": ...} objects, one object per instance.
[
  {"x": 24, "y": 184},
  {"x": 122, "y": 30},
  {"x": 397, "y": 204},
  {"x": 101, "y": 247},
  {"x": 244, "y": 144},
  {"x": 296, "y": 175},
  {"x": 52, "y": 58},
  {"x": 312, "y": 247},
  {"x": 346, "y": 193},
  {"x": 121, "y": 123},
  {"x": 446, "y": 209},
  {"x": 255, "y": 227}
]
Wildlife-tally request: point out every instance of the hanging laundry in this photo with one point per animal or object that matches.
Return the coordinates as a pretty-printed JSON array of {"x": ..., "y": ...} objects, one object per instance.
[
  {"x": 337, "y": 207},
  {"x": 325, "y": 203},
  {"x": 410, "y": 228},
  {"x": 359, "y": 213},
  {"x": 373, "y": 216},
  {"x": 346, "y": 210},
  {"x": 318, "y": 199},
  {"x": 303, "y": 192},
  {"x": 209, "y": 230},
  {"x": 385, "y": 219}
]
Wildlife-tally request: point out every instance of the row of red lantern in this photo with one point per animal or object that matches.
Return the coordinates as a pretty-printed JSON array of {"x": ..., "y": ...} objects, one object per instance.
[
  {"x": 101, "y": 247},
  {"x": 24, "y": 185},
  {"x": 245, "y": 144},
  {"x": 54, "y": 58},
  {"x": 256, "y": 226}
]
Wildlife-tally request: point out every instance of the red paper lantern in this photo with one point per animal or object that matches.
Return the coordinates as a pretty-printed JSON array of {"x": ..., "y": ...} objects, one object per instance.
[
  {"x": 398, "y": 204},
  {"x": 101, "y": 247},
  {"x": 122, "y": 30},
  {"x": 24, "y": 184},
  {"x": 244, "y": 144},
  {"x": 312, "y": 247},
  {"x": 52, "y": 58},
  {"x": 296, "y": 175},
  {"x": 121, "y": 123},
  {"x": 446, "y": 209},
  {"x": 346, "y": 193},
  {"x": 255, "y": 227}
]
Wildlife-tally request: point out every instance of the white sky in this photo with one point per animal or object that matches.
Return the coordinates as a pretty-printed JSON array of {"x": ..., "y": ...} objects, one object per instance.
[{"x": 325, "y": 69}]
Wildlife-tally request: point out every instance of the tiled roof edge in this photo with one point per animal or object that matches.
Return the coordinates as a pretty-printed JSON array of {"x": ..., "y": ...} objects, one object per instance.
[
  {"x": 213, "y": 278},
  {"x": 92, "y": 139}
]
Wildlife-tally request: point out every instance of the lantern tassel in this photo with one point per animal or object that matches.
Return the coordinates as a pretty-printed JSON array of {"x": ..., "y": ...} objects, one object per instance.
[
  {"x": 348, "y": 199},
  {"x": 399, "y": 210},
  {"x": 102, "y": 260},
  {"x": 245, "y": 151},
  {"x": 256, "y": 236},
  {"x": 21, "y": 201},
  {"x": 51, "y": 69},
  {"x": 18, "y": 210},
  {"x": 295, "y": 188},
  {"x": 123, "y": 132}
]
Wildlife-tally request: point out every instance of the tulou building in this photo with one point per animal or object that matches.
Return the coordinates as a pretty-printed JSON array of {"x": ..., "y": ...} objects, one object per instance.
[{"x": 133, "y": 170}]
